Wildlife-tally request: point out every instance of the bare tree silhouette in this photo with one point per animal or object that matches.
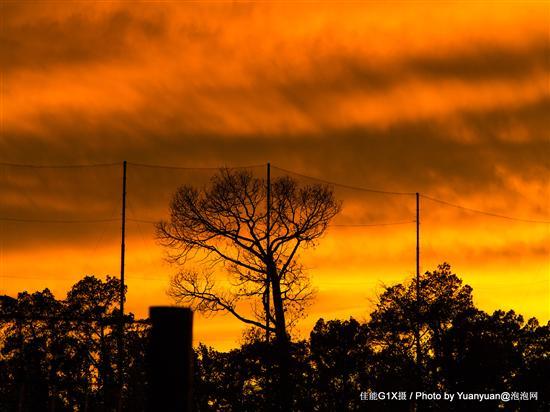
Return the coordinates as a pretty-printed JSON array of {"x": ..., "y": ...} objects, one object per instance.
[{"x": 227, "y": 223}]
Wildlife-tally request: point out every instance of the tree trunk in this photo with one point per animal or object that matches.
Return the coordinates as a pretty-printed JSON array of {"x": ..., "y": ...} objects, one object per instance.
[
  {"x": 102, "y": 368},
  {"x": 418, "y": 386},
  {"x": 283, "y": 343}
]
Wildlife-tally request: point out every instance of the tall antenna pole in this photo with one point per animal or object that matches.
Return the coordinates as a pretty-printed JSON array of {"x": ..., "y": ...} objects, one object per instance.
[
  {"x": 417, "y": 331},
  {"x": 268, "y": 241},
  {"x": 417, "y": 247},
  {"x": 122, "y": 256}
]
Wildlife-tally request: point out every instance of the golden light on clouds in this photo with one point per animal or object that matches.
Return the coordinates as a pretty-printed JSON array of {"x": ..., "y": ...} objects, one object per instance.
[{"x": 450, "y": 100}]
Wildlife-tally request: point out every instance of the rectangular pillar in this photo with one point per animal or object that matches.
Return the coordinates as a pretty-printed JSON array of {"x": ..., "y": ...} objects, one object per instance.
[{"x": 170, "y": 359}]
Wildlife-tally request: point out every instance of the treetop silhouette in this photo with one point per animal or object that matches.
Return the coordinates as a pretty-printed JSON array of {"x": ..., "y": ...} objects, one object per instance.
[{"x": 255, "y": 238}]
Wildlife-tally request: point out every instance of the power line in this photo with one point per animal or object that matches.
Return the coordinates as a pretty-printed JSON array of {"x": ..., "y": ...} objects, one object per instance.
[
  {"x": 142, "y": 236},
  {"x": 149, "y": 278},
  {"x": 375, "y": 224},
  {"x": 482, "y": 212},
  {"x": 363, "y": 189},
  {"x": 318, "y": 283},
  {"x": 370, "y": 190},
  {"x": 108, "y": 320},
  {"x": 67, "y": 279},
  {"x": 24, "y": 220},
  {"x": 330, "y": 225},
  {"x": 34, "y": 277},
  {"x": 152, "y": 222},
  {"x": 73, "y": 166},
  {"x": 157, "y": 166}
]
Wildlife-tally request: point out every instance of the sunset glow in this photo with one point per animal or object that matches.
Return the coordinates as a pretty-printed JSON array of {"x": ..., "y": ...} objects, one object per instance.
[{"x": 451, "y": 100}]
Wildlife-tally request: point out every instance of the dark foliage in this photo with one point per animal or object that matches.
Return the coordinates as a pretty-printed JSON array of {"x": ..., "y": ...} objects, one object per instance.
[
  {"x": 61, "y": 355},
  {"x": 51, "y": 363}
]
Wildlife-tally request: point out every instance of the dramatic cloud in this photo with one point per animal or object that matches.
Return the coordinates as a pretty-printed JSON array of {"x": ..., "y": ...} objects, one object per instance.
[{"x": 450, "y": 100}]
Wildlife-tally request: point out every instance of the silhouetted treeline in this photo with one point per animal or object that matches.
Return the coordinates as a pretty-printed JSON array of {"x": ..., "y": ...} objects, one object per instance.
[
  {"x": 52, "y": 363},
  {"x": 61, "y": 355}
]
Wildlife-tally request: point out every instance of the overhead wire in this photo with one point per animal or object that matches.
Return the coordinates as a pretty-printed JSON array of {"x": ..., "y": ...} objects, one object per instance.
[
  {"x": 134, "y": 219},
  {"x": 328, "y": 182},
  {"x": 157, "y": 166},
  {"x": 359, "y": 188},
  {"x": 69, "y": 166},
  {"x": 374, "y": 224},
  {"x": 444, "y": 202},
  {"x": 331, "y": 225},
  {"x": 25, "y": 220},
  {"x": 140, "y": 232}
]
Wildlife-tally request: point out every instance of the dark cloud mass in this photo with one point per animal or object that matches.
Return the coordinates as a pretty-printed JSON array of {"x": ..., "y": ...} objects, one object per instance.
[
  {"x": 83, "y": 37},
  {"x": 407, "y": 156},
  {"x": 451, "y": 101}
]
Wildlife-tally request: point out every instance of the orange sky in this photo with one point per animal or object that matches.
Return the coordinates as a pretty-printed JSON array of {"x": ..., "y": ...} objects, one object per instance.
[{"x": 450, "y": 99}]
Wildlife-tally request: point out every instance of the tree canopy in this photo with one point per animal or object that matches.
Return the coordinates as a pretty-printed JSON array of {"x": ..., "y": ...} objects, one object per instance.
[
  {"x": 228, "y": 223},
  {"x": 254, "y": 229},
  {"x": 49, "y": 362}
]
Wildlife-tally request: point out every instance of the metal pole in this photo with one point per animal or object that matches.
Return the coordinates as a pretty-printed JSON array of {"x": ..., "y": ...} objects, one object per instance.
[
  {"x": 122, "y": 258},
  {"x": 268, "y": 241},
  {"x": 417, "y": 304},
  {"x": 417, "y": 331},
  {"x": 417, "y": 247},
  {"x": 170, "y": 359}
]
